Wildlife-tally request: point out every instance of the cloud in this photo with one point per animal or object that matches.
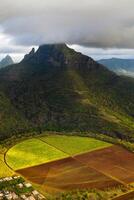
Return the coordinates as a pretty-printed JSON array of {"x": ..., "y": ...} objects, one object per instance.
[
  {"x": 101, "y": 53},
  {"x": 98, "y": 23}
]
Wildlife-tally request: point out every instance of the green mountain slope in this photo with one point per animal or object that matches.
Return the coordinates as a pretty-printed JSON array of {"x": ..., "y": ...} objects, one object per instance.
[
  {"x": 57, "y": 88},
  {"x": 11, "y": 122}
]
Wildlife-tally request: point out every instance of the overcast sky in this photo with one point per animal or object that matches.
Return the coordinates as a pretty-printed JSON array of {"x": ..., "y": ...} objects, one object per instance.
[{"x": 100, "y": 28}]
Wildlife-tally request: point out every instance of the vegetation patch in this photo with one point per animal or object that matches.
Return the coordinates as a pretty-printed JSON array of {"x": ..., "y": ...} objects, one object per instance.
[
  {"x": 32, "y": 152},
  {"x": 74, "y": 144},
  {"x": 4, "y": 170},
  {"x": 94, "y": 194},
  {"x": 37, "y": 151}
]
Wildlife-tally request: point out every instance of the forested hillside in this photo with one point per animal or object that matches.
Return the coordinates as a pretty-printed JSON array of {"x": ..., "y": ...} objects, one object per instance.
[{"x": 59, "y": 89}]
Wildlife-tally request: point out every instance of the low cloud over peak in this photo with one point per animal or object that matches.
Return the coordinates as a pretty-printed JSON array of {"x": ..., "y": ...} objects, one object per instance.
[
  {"x": 103, "y": 25},
  {"x": 98, "y": 23}
]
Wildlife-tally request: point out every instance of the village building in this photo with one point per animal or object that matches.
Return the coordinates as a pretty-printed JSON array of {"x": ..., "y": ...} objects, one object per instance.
[
  {"x": 28, "y": 185},
  {"x": 25, "y": 190},
  {"x": 20, "y": 185},
  {"x": 35, "y": 193}
]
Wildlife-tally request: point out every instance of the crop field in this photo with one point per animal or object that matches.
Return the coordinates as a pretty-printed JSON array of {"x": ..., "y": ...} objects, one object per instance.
[
  {"x": 4, "y": 170},
  {"x": 32, "y": 152},
  {"x": 63, "y": 163},
  {"x": 103, "y": 168},
  {"x": 50, "y": 161},
  {"x": 73, "y": 145},
  {"x": 114, "y": 161},
  {"x": 60, "y": 163},
  {"x": 38, "y": 151},
  {"x": 67, "y": 174}
]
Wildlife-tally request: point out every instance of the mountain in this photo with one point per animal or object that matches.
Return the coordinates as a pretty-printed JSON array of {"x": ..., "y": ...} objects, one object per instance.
[
  {"x": 6, "y": 61},
  {"x": 120, "y": 66},
  {"x": 56, "y": 88}
]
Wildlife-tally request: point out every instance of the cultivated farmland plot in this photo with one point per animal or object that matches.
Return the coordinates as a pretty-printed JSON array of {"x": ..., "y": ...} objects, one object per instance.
[
  {"x": 42, "y": 150},
  {"x": 73, "y": 145},
  {"x": 32, "y": 152},
  {"x": 68, "y": 162},
  {"x": 4, "y": 170}
]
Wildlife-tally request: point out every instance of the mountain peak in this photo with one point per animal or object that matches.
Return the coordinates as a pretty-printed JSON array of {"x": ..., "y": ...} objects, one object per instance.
[
  {"x": 8, "y": 57},
  {"x": 46, "y": 53},
  {"x": 57, "y": 55},
  {"x": 43, "y": 54},
  {"x": 29, "y": 56},
  {"x": 6, "y": 61}
]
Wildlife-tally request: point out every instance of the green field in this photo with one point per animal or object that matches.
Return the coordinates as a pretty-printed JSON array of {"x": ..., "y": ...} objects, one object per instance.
[
  {"x": 74, "y": 144},
  {"x": 37, "y": 151},
  {"x": 4, "y": 170},
  {"x": 32, "y": 152}
]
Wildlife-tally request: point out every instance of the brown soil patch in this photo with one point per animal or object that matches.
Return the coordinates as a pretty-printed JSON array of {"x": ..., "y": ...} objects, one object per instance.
[
  {"x": 67, "y": 174},
  {"x": 114, "y": 161}
]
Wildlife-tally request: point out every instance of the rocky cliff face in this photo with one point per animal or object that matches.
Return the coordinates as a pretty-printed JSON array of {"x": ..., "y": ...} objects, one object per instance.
[
  {"x": 46, "y": 54},
  {"x": 29, "y": 56},
  {"x": 58, "y": 55}
]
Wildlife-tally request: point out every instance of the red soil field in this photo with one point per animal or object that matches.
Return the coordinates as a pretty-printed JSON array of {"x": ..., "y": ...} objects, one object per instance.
[
  {"x": 67, "y": 174},
  {"x": 113, "y": 161}
]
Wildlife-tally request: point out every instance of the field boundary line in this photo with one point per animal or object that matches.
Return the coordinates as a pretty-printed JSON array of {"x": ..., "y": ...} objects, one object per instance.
[
  {"x": 6, "y": 161},
  {"x": 54, "y": 147}
]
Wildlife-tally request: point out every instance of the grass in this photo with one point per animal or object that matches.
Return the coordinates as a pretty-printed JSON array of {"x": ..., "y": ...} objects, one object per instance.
[
  {"x": 4, "y": 170},
  {"x": 74, "y": 144},
  {"x": 32, "y": 152}
]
